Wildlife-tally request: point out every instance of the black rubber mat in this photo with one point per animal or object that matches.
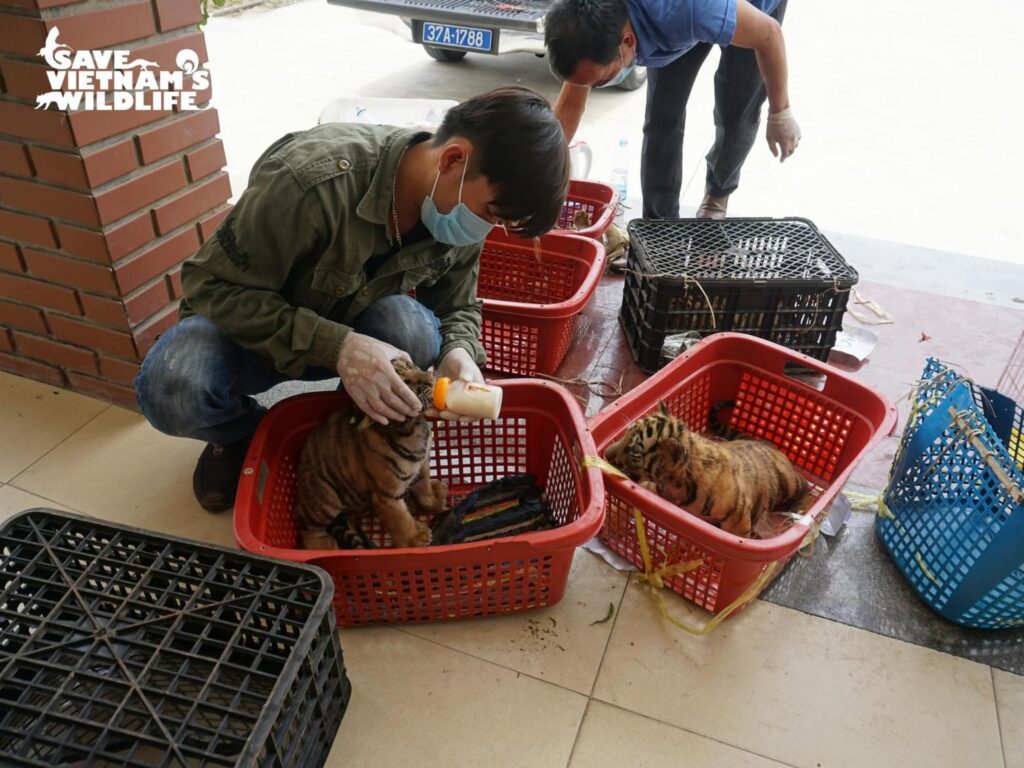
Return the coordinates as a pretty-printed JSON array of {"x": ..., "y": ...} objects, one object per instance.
[{"x": 850, "y": 579}]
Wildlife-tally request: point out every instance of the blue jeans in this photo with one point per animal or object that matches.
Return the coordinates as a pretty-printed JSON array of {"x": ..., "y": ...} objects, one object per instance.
[{"x": 196, "y": 382}]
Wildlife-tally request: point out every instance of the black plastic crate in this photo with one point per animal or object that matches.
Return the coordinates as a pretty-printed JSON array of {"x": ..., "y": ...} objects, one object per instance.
[
  {"x": 778, "y": 279},
  {"x": 122, "y": 647}
]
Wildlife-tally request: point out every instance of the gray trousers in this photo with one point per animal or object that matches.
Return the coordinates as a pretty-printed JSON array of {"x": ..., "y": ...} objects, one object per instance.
[{"x": 739, "y": 96}]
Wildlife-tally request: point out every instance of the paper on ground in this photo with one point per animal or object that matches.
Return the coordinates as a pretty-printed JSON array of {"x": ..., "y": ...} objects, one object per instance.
[
  {"x": 856, "y": 342},
  {"x": 611, "y": 557}
]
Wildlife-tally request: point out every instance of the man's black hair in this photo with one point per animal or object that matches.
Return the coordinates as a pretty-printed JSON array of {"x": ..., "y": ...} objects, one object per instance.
[
  {"x": 575, "y": 30},
  {"x": 519, "y": 146}
]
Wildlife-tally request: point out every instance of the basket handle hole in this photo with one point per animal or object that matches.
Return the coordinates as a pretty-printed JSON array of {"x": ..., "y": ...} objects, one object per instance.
[{"x": 809, "y": 377}]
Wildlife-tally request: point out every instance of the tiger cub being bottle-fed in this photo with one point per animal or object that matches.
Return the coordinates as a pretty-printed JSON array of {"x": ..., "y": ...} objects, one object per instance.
[
  {"x": 734, "y": 484},
  {"x": 352, "y": 466}
]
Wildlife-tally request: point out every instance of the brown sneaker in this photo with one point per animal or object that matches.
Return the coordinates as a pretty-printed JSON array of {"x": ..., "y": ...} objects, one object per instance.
[
  {"x": 215, "y": 480},
  {"x": 713, "y": 207}
]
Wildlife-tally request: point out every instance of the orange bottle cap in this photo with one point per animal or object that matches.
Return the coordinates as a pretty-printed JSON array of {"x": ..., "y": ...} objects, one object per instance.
[{"x": 441, "y": 392}]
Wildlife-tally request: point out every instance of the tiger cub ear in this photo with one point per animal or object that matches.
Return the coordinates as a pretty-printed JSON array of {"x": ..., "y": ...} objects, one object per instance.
[
  {"x": 359, "y": 420},
  {"x": 409, "y": 372},
  {"x": 673, "y": 449},
  {"x": 663, "y": 408},
  {"x": 403, "y": 367}
]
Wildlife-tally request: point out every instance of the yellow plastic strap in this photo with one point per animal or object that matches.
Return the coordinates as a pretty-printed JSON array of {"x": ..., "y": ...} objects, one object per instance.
[
  {"x": 596, "y": 462},
  {"x": 656, "y": 580},
  {"x": 806, "y": 547},
  {"x": 813, "y": 529},
  {"x": 863, "y": 502},
  {"x": 883, "y": 509},
  {"x": 924, "y": 568}
]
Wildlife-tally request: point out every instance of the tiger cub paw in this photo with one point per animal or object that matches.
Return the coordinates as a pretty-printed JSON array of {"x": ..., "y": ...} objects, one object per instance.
[
  {"x": 423, "y": 536},
  {"x": 432, "y": 497},
  {"x": 318, "y": 539},
  {"x": 417, "y": 536}
]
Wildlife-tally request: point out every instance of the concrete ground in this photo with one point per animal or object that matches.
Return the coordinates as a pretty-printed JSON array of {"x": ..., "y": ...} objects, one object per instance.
[{"x": 908, "y": 162}]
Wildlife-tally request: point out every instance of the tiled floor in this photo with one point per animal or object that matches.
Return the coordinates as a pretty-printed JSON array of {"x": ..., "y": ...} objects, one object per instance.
[
  {"x": 772, "y": 686},
  {"x": 558, "y": 687}
]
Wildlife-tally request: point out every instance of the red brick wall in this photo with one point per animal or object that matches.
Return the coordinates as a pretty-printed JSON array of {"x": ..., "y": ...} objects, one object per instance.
[{"x": 98, "y": 209}]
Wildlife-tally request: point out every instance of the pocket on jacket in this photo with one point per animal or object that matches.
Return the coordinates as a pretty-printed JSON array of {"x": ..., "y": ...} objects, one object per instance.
[{"x": 426, "y": 275}]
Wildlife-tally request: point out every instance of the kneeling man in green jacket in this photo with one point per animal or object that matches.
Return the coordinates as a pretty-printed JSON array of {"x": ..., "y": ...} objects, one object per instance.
[{"x": 309, "y": 275}]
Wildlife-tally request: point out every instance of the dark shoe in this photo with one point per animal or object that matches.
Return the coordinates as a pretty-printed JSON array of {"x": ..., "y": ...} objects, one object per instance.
[
  {"x": 713, "y": 207},
  {"x": 215, "y": 480}
]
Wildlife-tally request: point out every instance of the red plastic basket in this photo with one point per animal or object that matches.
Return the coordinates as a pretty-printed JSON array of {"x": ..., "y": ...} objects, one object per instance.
[
  {"x": 541, "y": 431},
  {"x": 533, "y": 295},
  {"x": 597, "y": 199},
  {"x": 825, "y": 433}
]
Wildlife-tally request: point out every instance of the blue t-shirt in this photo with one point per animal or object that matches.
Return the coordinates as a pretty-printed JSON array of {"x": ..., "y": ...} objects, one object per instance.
[{"x": 666, "y": 29}]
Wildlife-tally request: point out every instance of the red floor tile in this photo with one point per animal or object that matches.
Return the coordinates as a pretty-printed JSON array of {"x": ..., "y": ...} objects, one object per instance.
[{"x": 978, "y": 338}]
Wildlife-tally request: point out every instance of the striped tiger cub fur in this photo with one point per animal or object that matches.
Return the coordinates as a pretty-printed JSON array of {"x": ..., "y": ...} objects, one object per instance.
[
  {"x": 352, "y": 466},
  {"x": 733, "y": 484}
]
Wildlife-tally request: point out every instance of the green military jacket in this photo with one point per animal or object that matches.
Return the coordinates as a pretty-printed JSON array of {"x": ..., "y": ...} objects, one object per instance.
[{"x": 284, "y": 273}]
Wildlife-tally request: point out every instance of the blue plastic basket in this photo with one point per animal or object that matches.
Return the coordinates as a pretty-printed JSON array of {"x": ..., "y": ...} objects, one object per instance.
[{"x": 953, "y": 514}]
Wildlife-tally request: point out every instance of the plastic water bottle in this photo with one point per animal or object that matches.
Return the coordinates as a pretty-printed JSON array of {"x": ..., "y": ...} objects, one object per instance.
[
  {"x": 363, "y": 115},
  {"x": 620, "y": 177},
  {"x": 433, "y": 118}
]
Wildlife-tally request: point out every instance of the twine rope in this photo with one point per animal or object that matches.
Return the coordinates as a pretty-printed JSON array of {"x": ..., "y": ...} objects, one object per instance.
[
  {"x": 604, "y": 387},
  {"x": 881, "y": 315},
  {"x": 655, "y": 577},
  {"x": 687, "y": 279}
]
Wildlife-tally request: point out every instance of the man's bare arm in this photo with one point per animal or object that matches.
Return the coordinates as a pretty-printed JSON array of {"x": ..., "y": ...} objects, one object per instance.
[
  {"x": 756, "y": 29},
  {"x": 569, "y": 107}
]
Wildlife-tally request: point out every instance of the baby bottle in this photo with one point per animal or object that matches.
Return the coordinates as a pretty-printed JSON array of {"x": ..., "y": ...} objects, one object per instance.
[{"x": 466, "y": 398}]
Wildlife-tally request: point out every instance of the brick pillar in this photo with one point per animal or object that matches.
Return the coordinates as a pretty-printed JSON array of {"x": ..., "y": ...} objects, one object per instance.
[{"x": 98, "y": 208}]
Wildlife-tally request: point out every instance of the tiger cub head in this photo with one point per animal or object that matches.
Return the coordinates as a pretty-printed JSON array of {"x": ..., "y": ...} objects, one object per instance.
[
  {"x": 675, "y": 478},
  {"x": 636, "y": 452},
  {"x": 419, "y": 381}
]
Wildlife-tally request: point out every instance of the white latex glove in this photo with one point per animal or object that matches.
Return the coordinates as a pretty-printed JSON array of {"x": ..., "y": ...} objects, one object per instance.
[
  {"x": 457, "y": 365},
  {"x": 364, "y": 365},
  {"x": 783, "y": 134}
]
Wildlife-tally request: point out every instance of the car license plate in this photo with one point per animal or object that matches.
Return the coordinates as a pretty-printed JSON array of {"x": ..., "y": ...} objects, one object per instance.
[{"x": 453, "y": 36}]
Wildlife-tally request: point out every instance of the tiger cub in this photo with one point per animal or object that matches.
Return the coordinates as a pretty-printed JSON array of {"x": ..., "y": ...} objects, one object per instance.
[
  {"x": 733, "y": 484},
  {"x": 352, "y": 466}
]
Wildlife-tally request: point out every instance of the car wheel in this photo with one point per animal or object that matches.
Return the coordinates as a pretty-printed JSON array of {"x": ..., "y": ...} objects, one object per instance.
[
  {"x": 443, "y": 54},
  {"x": 634, "y": 80}
]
